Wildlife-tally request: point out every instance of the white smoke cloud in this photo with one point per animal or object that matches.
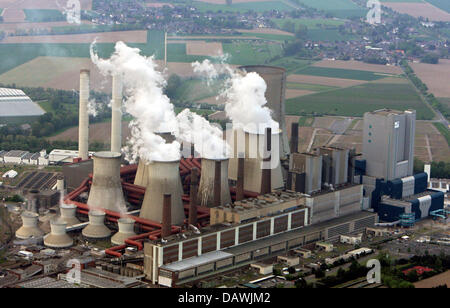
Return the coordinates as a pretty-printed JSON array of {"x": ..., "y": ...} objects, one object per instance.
[
  {"x": 207, "y": 139},
  {"x": 245, "y": 97},
  {"x": 93, "y": 108},
  {"x": 145, "y": 101}
]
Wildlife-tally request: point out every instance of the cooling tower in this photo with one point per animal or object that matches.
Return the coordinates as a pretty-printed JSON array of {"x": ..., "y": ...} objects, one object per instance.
[
  {"x": 210, "y": 178},
  {"x": 83, "y": 124},
  {"x": 116, "y": 122},
  {"x": 141, "y": 178},
  {"x": 126, "y": 230},
  {"x": 96, "y": 228},
  {"x": 58, "y": 237},
  {"x": 29, "y": 226},
  {"x": 253, "y": 145},
  {"x": 163, "y": 178},
  {"x": 106, "y": 190},
  {"x": 68, "y": 214},
  {"x": 275, "y": 78}
]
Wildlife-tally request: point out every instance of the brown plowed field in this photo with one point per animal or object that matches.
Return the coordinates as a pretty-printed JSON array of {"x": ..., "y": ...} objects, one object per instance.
[
  {"x": 11, "y": 15},
  {"x": 42, "y": 4},
  {"x": 199, "y": 48},
  {"x": 435, "y": 76},
  {"x": 425, "y": 10}
]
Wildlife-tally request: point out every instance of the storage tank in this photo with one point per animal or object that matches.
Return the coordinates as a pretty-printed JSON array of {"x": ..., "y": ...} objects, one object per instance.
[
  {"x": 208, "y": 180},
  {"x": 29, "y": 227},
  {"x": 275, "y": 78},
  {"x": 126, "y": 230},
  {"x": 68, "y": 214},
  {"x": 106, "y": 190},
  {"x": 58, "y": 237},
  {"x": 253, "y": 162},
  {"x": 83, "y": 123},
  {"x": 163, "y": 178},
  {"x": 96, "y": 228}
]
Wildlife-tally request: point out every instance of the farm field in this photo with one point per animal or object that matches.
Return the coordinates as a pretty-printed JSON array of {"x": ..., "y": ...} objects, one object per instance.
[
  {"x": 13, "y": 15},
  {"x": 201, "y": 48},
  {"x": 421, "y": 9},
  {"x": 41, "y": 4},
  {"x": 434, "y": 281},
  {"x": 338, "y": 8},
  {"x": 10, "y": 27},
  {"x": 340, "y": 73},
  {"x": 358, "y": 65},
  {"x": 257, "y": 6},
  {"x": 102, "y": 37},
  {"x": 357, "y": 100},
  {"x": 442, "y": 4},
  {"x": 325, "y": 81},
  {"x": 42, "y": 15},
  {"x": 435, "y": 76}
]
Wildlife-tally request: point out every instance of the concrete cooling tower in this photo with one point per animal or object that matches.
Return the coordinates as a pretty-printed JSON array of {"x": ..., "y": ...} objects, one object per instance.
[
  {"x": 68, "y": 214},
  {"x": 214, "y": 189},
  {"x": 275, "y": 78},
  {"x": 141, "y": 178},
  {"x": 163, "y": 178},
  {"x": 96, "y": 228},
  {"x": 106, "y": 190},
  {"x": 83, "y": 124},
  {"x": 253, "y": 162},
  {"x": 29, "y": 227},
  {"x": 126, "y": 230},
  {"x": 58, "y": 237}
]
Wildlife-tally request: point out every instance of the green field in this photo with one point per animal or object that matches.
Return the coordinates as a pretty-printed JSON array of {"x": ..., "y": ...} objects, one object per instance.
[
  {"x": 243, "y": 53},
  {"x": 442, "y": 4},
  {"x": 16, "y": 54},
  {"x": 444, "y": 131},
  {"x": 306, "y": 121},
  {"x": 311, "y": 23},
  {"x": 357, "y": 100},
  {"x": 340, "y": 73},
  {"x": 269, "y": 37},
  {"x": 193, "y": 90},
  {"x": 338, "y": 8},
  {"x": 310, "y": 87},
  {"x": 291, "y": 64},
  {"x": 243, "y": 7},
  {"x": 43, "y": 15}
]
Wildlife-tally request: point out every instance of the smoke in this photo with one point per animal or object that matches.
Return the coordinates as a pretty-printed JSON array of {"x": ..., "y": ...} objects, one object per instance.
[
  {"x": 207, "y": 139},
  {"x": 245, "y": 97},
  {"x": 93, "y": 108},
  {"x": 145, "y": 101}
]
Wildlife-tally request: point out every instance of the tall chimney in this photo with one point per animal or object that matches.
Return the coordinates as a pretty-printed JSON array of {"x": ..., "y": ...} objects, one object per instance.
[
  {"x": 266, "y": 185},
  {"x": 240, "y": 179},
  {"x": 83, "y": 124},
  {"x": 294, "y": 138},
  {"x": 116, "y": 124},
  {"x": 106, "y": 190},
  {"x": 217, "y": 180},
  {"x": 193, "y": 197},
  {"x": 167, "y": 216}
]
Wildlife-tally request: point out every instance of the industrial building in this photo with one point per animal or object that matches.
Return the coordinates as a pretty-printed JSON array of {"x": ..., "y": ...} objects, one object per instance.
[
  {"x": 388, "y": 143},
  {"x": 189, "y": 219},
  {"x": 17, "y": 107}
]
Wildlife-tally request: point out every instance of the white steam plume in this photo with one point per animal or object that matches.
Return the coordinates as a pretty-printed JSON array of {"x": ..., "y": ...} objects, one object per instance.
[
  {"x": 207, "y": 139},
  {"x": 245, "y": 97},
  {"x": 145, "y": 101}
]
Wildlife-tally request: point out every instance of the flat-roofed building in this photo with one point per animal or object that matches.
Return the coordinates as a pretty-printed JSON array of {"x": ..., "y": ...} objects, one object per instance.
[
  {"x": 16, "y": 106},
  {"x": 15, "y": 157}
]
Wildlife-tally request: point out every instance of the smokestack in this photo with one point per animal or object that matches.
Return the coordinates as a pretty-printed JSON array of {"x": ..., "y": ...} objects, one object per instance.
[
  {"x": 167, "y": 216},
  {"x": 253, "y": 171},
  {"x": 83, "y": 124},
  {"x": 68, "y": 214},
  {"x": 58, "y": 237},
  {"x": 163, "y": 177},
  {"x": 29, "y": 227},
  {"x": 126, "y": 230},
  {"x": 33, "y": 201},
  {"x": 116, "y": 124},
  {"x": 214, "y": 189},
  {"x": 60, "y": 185},
  {"x": 266, "y": 185},
  {"x": 106, "y": 190},
  {"x": 96, "y": 228},
  {"x": 193, "y": 197},
  {"x": 294, "y": 138},
  {"x": 240, "y": 178}
]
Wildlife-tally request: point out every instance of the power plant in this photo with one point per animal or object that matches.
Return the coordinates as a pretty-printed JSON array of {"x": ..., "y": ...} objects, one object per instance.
[{"x": 185, "y": 220}]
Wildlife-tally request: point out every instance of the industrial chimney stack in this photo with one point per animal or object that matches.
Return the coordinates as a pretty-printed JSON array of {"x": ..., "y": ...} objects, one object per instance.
[
  {"x": 116, "y": 123},
  {"x": 214, "y": 189},
  {"x": 83, "y": 124}
]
